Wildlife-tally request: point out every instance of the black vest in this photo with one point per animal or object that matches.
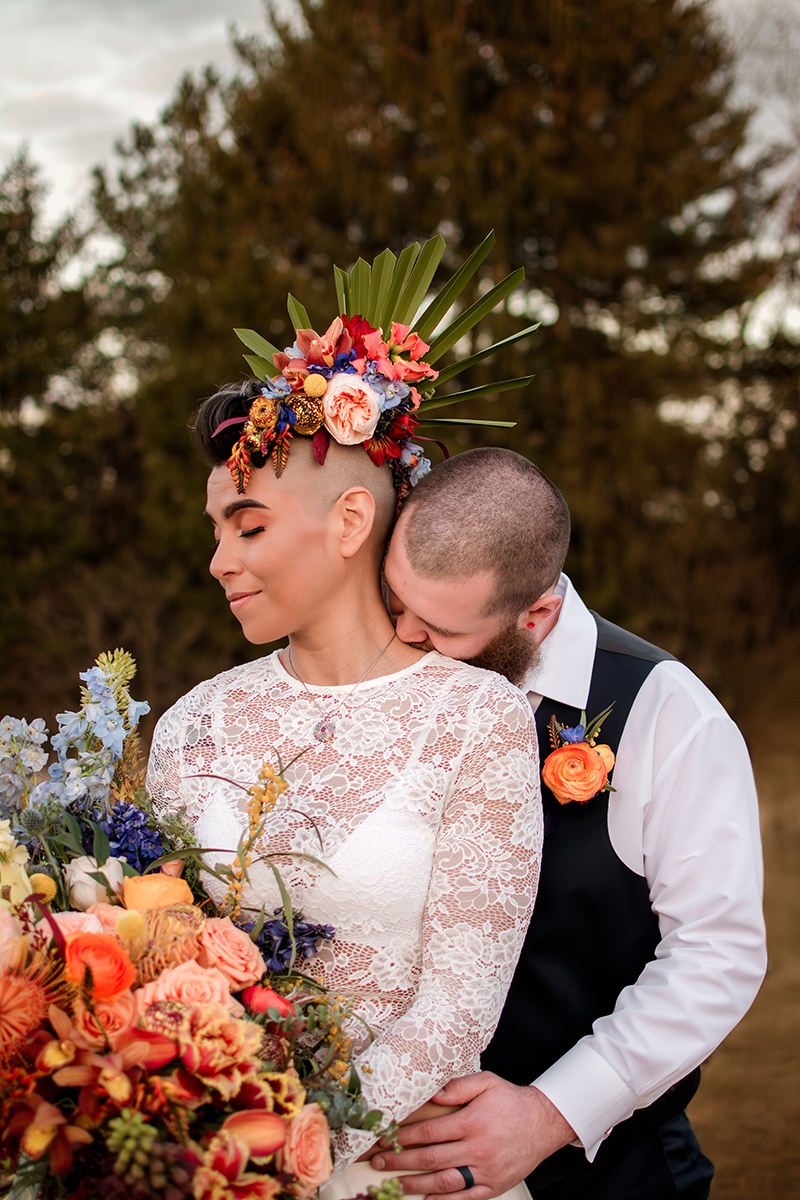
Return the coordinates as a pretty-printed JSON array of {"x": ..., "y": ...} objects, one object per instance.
[{"x": 593, "y": 930}]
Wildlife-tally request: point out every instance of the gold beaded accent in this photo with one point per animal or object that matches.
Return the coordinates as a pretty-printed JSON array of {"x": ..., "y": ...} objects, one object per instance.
[{"x": 310, "y": 413}]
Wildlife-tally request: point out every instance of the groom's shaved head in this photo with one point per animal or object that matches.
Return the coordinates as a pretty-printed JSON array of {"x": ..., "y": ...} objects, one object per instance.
[{"x": 488, "y": 510}]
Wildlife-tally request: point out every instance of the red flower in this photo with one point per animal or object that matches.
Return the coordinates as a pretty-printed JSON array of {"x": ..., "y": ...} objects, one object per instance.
[
  {"x": 390, "y": 442},
  {"x": 358, "y": 328}
]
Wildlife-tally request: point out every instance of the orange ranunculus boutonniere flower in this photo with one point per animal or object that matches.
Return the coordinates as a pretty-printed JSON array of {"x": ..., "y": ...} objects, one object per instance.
[
  {"x": 100, "y": 957},
  {"x": 577, "y": 769},
  {"x": 158, "y": 890}
]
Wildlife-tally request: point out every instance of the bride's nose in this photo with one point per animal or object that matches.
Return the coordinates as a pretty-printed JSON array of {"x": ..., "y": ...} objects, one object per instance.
[{"x": 223, "y": 561}]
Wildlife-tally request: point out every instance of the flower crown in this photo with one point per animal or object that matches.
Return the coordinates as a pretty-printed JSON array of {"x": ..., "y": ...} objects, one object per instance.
[{"x": 369, "y": 379}]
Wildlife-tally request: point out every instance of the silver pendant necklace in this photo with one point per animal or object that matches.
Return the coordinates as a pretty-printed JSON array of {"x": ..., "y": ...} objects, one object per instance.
[{"x": 325, "y": 728}]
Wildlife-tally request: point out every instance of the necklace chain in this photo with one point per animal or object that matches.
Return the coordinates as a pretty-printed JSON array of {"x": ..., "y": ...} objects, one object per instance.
[{"x": 325, "y": 728}]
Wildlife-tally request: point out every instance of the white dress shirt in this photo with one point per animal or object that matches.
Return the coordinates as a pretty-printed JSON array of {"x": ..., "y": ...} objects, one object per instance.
[{"x": 684, "y": 817}]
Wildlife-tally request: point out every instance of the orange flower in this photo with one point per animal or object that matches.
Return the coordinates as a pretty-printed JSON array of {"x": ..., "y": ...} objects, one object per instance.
[
  {"x": 144, "y": 892},
  {"x": 607, "y": 755},
  {"x": 109, "y": 1019},
  {"x": 50, "y": 1133},
  {"x": 231, "y": 951},
  {"x": 221, "y": 1173},
  {"x": 262, "y": 1132},
  {"x": 574, "y": 772},
  {"x": 102, "y": 956},
  {"x": 307, "y": 1152}
]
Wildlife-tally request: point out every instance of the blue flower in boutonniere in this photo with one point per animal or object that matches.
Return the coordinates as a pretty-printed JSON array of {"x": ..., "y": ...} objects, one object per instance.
[{"x": 578, "y": 768}]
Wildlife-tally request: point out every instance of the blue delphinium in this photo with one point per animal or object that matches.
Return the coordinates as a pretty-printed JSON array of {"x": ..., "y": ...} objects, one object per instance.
[
  {"x": 275, "y": 944},
  {"x": 128, "y": 831}
]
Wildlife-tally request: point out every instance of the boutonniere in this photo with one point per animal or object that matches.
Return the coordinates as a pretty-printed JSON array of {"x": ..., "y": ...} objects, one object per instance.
[{"x": 578, "y": 768}]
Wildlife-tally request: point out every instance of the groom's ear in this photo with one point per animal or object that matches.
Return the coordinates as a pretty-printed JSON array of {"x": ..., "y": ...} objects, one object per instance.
[
  {"x": 541, "y": 617},
  {"x": 354, "y": 514}
]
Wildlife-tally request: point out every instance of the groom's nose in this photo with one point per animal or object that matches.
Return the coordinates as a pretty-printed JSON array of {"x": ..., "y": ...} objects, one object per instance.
[{"x": 410, "y": 629}]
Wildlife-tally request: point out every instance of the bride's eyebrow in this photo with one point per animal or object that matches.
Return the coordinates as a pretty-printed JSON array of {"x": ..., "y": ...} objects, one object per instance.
[{"x": 235, "y": 506}]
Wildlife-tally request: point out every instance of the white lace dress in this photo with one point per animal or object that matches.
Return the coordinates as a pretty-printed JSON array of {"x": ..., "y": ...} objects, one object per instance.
[{"x": 427, "y": 803}]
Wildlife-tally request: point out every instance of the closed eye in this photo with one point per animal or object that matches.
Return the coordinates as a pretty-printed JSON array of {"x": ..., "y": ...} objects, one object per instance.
[{"x": 245, "y": 533}]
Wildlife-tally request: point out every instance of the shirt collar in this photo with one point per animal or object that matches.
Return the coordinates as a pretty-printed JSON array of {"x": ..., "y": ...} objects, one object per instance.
[{"x": 564, "y": 671}]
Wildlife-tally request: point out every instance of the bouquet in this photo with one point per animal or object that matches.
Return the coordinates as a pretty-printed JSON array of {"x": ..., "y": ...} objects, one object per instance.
[{"x": 151, "y": 1044}]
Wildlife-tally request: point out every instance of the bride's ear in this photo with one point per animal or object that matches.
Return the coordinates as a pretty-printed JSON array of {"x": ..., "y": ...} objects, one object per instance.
[{"x": 355, "y": 514}]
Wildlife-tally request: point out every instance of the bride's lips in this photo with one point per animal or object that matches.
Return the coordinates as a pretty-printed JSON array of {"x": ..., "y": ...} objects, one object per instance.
[{"x": 238, "y": 599}]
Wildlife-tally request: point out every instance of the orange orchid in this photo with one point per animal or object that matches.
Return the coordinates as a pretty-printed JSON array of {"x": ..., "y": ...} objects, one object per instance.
[{"x": 47, "y": 1131}]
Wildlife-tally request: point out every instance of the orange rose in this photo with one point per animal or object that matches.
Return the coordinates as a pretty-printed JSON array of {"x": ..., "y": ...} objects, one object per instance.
[
  {"x": 352, "y": 408},
  {"x": 231, "y": 951},
  {"x": 111, "y": 970},
  {"x": 111, "y": 1018},
  {"x": 192, "y": 985},
  {"x": 574, "y": 772},
  {"x": 307, "y": 1152},
  {"x": 158, "y": 890}
]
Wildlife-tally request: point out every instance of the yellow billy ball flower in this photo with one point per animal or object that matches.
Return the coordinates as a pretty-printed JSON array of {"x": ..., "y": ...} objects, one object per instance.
[
  {"x": 131, "y": 925},
  {"x": 43, "y": 885}
]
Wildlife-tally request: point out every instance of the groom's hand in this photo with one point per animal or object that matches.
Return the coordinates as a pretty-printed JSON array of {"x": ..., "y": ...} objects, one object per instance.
[{"x": 501, "y": 1133}]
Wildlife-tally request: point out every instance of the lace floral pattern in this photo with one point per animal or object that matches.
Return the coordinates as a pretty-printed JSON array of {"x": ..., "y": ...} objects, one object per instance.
[{"x": 427, "y": 804}]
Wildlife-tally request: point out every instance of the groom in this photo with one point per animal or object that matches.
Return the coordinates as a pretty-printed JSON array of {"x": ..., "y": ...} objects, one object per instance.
[{"x": 647, "y": 943}]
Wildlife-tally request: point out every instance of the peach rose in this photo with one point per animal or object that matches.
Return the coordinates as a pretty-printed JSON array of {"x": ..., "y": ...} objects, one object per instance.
[
  {"x": 111, "y": 1019},
  {"x": 352, "y": 408},
  {"x": 71, "y": 922},
  {"x": 192, "y": 985},
  {"x": 112, "y": 972},
  {"x": 574, "y": 772},
  {"x": 306, "y": 1153},
  {"x": 107, "y": 914},
  {"x": 231, "y": 951},
  {"x": 158, "y": 890}
]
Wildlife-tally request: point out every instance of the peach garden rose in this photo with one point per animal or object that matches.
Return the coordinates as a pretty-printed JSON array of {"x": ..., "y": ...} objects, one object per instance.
[
  {"x": 352, "y": 408},
  {"x": 192, "y": 985},
  {"x": 231, "y": 951},
  {"x": 306, "y": 1154},
  {"x": 110, "y": 1018}
]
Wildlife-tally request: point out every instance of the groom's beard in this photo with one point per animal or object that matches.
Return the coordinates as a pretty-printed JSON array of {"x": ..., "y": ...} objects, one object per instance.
[{"x": 510, "y": 653}]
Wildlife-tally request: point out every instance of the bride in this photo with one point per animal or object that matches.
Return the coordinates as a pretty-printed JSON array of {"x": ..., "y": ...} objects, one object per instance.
[{"x": 420, "y": 773}]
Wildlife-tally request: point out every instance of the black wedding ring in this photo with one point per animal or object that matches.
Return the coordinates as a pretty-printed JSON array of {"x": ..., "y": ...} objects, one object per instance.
[{"x": 467, "y": 1176}]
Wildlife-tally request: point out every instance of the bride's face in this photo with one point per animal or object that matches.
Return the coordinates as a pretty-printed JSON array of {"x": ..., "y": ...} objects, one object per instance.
[{"x": 273, "y": 551}]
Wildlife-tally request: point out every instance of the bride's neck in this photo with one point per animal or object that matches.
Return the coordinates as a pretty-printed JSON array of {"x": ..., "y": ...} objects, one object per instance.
[{"x": 341, "y": 646}]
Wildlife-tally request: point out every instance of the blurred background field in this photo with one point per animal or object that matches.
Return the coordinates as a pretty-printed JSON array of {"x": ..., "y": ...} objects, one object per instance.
[{"x": 641, "y": 160}]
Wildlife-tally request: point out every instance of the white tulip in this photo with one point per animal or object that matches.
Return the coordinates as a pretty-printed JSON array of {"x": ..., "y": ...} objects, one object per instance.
[{"x": 82, "y": 889}]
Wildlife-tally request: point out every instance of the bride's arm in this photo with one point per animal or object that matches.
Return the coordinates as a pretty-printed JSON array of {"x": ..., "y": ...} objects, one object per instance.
[{"x": 479, "y": 901}]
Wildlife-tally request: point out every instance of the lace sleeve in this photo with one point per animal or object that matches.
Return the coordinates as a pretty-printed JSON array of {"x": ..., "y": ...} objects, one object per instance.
[
  {"x": 479, "y": 903},
  {"x": 175, "y": 755}
]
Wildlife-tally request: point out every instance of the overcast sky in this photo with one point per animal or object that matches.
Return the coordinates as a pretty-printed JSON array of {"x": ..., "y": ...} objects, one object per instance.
[{"x": 74, "y": 74}]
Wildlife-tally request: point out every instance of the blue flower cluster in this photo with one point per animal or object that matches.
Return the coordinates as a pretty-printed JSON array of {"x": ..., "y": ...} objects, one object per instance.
[
  {"x": 22, "y": 757},
  {"x": 129, "y": 834},
  {"x": 88, "y": 746},
  {"x": 275, "y": 944}
]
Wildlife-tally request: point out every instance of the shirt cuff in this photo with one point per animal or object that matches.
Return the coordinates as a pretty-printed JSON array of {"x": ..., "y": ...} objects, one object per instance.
[{"x": 588, "y": 1093}]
